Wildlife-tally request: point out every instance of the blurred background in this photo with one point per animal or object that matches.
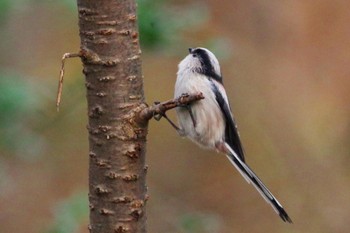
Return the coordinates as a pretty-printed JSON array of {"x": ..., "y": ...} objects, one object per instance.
[{"x": 286, "y": 70}]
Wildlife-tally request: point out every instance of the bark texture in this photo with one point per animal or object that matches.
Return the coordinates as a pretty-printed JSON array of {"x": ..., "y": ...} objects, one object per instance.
[{"x": 110, "y": 53}]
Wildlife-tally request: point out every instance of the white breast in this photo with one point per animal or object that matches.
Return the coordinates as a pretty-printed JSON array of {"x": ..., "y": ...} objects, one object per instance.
[{"x": 210, "y": 128}]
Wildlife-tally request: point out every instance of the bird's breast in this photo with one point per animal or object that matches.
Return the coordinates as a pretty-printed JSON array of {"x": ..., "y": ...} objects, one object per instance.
[{"x": 210, "y": 124}]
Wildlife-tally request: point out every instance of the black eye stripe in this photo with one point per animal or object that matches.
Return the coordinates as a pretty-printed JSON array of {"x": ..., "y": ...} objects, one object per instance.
[
  {"x": 204, "y": 59},
  {"x": 206, "y": 66}
]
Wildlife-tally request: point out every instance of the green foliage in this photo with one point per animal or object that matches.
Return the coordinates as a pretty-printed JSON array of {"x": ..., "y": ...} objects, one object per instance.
[
  {"x": 4, "y": 9},
  {"x": 151, "y": 23},
  {"x": 18, "y": 102},
  {"x": 70, "y": 214},
  {"x": 160, "y": 23},
  {"x": 199, "y": 223}
]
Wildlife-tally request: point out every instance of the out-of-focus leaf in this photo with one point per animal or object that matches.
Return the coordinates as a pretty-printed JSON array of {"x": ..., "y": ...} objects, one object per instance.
[
  {"x": 199, "y": 223},
  {"x": 16, "y": 98},
  {"x": 150, "y": 24},
  {"x": 4, "y": 9},
  {"x": 70, "y": 214},
  {"x": 160, "y": 24},
  {"x": 18, "y": 102}
]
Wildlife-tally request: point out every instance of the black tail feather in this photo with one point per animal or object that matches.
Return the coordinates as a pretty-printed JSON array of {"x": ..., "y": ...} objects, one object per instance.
[{"x": 251, "y": 177}]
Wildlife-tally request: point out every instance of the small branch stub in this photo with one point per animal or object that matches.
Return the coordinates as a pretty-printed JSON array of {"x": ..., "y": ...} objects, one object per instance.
[{"x": 60, "y": 82}]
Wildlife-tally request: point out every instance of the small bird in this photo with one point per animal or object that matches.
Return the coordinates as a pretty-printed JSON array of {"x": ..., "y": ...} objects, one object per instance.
[{"x": 209, "y": 122}]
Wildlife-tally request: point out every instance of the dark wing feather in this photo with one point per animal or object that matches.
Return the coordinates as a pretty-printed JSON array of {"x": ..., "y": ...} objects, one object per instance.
[{"x": 231, "y": 135}]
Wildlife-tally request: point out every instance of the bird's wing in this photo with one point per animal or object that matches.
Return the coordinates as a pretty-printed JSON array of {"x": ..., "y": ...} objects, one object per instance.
[{"x": 231, "y": 132}]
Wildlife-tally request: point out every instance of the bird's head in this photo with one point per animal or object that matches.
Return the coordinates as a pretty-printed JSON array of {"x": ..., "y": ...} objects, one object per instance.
[{"x": 201, "y": 61}]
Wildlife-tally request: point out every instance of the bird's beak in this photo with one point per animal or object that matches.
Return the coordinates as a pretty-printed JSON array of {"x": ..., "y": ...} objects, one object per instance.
[{"x": 190, "y": 50}]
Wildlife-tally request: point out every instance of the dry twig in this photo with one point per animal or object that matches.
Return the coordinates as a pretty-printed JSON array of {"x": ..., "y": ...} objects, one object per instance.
[{"x": 60, "y": 82}]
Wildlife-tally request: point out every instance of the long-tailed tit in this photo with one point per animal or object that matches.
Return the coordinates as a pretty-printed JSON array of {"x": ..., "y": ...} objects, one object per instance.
[{"x": 209, "y": 122}]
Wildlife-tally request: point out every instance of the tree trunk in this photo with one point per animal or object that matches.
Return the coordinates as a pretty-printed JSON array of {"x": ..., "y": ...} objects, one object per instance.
[{"x": 110, "y": 53}]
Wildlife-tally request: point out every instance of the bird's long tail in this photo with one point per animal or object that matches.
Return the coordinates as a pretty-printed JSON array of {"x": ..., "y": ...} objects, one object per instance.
[{"x": 252, "y": 178}]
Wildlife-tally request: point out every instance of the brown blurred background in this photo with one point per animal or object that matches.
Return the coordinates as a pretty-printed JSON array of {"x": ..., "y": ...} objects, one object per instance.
[{"x": 286, "y": 71}]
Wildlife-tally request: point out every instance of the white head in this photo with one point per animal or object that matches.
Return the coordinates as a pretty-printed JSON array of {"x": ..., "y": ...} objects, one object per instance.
[{"x": 202, "y": 61}]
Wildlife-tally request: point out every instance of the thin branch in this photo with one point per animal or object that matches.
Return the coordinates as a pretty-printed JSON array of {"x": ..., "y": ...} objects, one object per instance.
[
  {"x": 60, "y": 82},
  {"x": 159, "y": 109}
]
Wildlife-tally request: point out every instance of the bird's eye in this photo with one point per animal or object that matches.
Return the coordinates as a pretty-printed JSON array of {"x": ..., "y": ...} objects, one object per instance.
[{"x": 194, "y": 55}]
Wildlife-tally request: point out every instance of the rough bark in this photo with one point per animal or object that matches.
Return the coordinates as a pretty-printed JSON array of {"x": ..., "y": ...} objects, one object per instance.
[
  {"x": 118, "y": 116},
  {"x": 110, "y": 53}
]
